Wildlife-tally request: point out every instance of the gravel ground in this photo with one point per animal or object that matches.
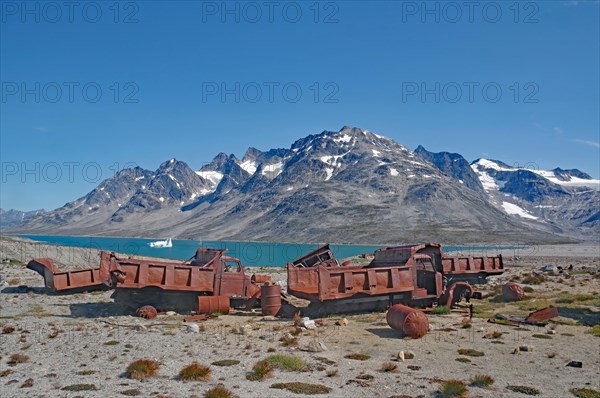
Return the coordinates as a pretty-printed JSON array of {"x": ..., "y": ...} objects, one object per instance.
[{"x": 86, "y": 339}]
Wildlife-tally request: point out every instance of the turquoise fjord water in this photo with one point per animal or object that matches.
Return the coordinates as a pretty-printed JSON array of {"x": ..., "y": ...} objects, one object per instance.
[{"x": 250, "y": 253}]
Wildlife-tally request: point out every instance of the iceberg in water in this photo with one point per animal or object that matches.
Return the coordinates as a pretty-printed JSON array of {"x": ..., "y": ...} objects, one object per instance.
[{"x": 161, "y": 243}]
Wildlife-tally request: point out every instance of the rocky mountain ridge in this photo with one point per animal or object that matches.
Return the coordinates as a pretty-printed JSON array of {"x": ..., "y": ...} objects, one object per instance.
[{"x": 349, "y": 186}]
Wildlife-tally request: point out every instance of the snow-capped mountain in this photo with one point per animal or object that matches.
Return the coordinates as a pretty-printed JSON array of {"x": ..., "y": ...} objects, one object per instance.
[
  {"x": 566, "y": 199},
  {"x": 345, "y": 186}
]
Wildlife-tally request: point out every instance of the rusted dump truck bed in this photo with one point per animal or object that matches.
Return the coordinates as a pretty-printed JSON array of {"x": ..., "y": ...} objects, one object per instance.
[
  {"x": 330, "y": 283},
  {"x": 57, "y": 280},
  {"x": 472, "y": 265},
  {"x": 136, "y": 274},
  {"x": 415, "y": 272}
]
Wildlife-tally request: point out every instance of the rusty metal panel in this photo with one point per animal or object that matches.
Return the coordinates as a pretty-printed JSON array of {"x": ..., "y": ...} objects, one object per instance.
[
  {"x": 542, "y": 315},
  {"x": 164, "y": 275},
  {"x": 472, "y": 265},
  {"x": 323, "y": 283},
  {"x": 66, "y": 281}
]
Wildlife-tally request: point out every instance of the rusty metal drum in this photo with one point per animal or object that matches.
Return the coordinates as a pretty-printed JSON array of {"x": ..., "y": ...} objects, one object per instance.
[
  {"x": 512, "y": 292},
  {"x": 410, "y": 322},
  {"x": 213, "y": 304},
  {"x": 260, "y": 278},
  {"x": 270, "y": 299}
]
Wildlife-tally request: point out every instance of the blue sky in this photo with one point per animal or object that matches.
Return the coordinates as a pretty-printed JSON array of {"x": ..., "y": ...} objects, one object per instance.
[{"x": 518, "y": 82}]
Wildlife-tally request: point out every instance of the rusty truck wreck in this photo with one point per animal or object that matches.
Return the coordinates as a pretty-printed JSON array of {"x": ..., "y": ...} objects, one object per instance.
[
  {"x": 418, "y": 275},
  {"x": 415, "y": 275}
]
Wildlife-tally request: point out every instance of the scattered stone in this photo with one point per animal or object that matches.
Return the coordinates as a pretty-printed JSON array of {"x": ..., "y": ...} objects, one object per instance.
[
  {"x": 549, "y": 268},
  {"x": 575, "y": 364},
  {"x": 308, "y": 323},
  {"x": 171, "y": 313},
  {"x": 516, "y": 351},
  {"x": 551, "y": 331},
  {"x": 193, "y": 328},
  {"x": 342, "y": 322},
  {"x": 409, "y": 355},
  {"x": 400, "y": 356},
  {"x": 139, "y": 327},
  {"x": 316, "y": 346},
  {"x": 361, "y": 383},
  {"x": 526, "y": 348}
]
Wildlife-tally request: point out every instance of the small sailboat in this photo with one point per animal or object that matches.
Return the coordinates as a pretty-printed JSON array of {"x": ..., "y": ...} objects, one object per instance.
[{"x": 161, "y": 243}]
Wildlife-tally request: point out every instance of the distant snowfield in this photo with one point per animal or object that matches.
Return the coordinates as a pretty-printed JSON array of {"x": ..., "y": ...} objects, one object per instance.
[
  {"x": 213, "y": 176},
  {"x": 513, "y": 209},
  {"x": 249, "y": 166},
  {"x": 489, "y": 183}
]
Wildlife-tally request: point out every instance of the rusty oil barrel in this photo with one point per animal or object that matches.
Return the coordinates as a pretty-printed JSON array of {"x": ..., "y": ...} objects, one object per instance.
[
  {"x": 270, "y": 299},
  {"x": 409, "y": 321},
  {"x": 260, "y": 278},
  {"x": 512, "y": 292},
  {"x": 213, "y": 304}
]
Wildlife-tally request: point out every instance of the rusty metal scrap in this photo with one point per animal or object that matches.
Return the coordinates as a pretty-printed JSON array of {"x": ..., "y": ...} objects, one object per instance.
[{"x": 537, "y": 318}]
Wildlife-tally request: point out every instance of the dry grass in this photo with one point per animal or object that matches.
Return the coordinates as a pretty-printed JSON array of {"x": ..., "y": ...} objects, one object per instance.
[
  {"x": 524, "y": 390},
  {"x": 85, "y": 372},
  {"x": 288, "y": 341},
  {"x": 585, "y": 393},
  {"x": 8, "y": 329},
  {"x": 226, "y": 362},
  {"x": 453, "y": 389},
  {"x": 27, "y": 383},
  {"x": 219, "y": 392},
  {"x": 17, "y": 358},
  {"x": 5, "y": 372},
  {"x": 326, "y": 361},
  {"x": 389, "y": 367},
  {"x": 303, "y": 388},
  {"x": 79, "y": 387},
  {"x": 533, "y": 280},
  {"x": 195, "y": 372},
  {"x": 462, "y": 359},
  {"x": 470, "y": 352},
  {"x": 482, "y": 381},
  {"x": 134, "y": 392},
  {"x": 358, "y": 357},
  {"x": 142, "y": 369},
  {"x": 261, "y": 370},
  {"x": 111, "y": 342},
  {"x": 541, "y": 336}
]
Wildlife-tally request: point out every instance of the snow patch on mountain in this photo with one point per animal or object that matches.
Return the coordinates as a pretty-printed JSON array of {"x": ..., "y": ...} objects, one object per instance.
[{"x": 513, "y": 209}]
